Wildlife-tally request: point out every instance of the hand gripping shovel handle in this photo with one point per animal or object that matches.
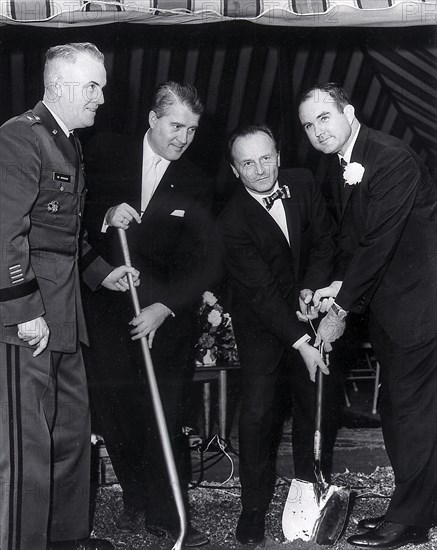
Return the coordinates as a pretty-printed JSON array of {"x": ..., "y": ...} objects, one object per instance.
[{"x": 157, "y": 406}]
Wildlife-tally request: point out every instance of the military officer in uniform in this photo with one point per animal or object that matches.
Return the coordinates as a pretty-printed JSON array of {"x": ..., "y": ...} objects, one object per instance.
[{"x": 45, "y": 432}]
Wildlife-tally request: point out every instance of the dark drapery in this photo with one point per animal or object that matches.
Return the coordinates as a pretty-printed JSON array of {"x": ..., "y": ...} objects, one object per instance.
[{"x": 245, "y": 73}]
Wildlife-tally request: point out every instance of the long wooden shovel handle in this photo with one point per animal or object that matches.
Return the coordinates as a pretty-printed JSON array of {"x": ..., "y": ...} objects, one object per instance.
[{"x": 157, "y": 405}]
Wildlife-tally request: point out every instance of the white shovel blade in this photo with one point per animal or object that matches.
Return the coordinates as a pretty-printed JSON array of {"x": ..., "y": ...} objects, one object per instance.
[{"x": 302, "y": 512}]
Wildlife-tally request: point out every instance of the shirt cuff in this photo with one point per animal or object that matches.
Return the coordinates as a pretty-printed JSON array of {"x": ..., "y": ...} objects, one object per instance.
[{"x": 304, "y": 338}]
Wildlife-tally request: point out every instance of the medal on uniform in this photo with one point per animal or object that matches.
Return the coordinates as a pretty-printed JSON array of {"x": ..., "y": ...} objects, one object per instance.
[{"x": 53, "y": 207}]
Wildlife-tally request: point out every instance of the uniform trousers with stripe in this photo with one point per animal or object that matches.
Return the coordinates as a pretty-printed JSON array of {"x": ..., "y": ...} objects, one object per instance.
[{"x": 44, "y": 448}]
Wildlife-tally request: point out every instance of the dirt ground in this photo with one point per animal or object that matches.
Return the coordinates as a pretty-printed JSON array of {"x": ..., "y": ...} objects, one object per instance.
[{"x": 216, "y": 508}]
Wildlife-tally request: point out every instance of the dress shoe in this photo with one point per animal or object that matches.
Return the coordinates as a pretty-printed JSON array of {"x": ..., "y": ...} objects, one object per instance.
[
  {"x": 370, "y": 523},
  {"x": 130, "y": 520},
  {"x": 250, "y": 526},
  {"x": 82, "y": 544},
  {"x": 193, "y": 539},
  {"x": 390, "y": 535}
]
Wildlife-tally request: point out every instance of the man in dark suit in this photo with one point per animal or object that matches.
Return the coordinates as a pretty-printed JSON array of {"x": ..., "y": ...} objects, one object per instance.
[
  {"x": 45, "y": 433},
  {"x": 387, "y": 210},
  {"x": 278, "y": 240},
  {"x": 164, "y": 204}
]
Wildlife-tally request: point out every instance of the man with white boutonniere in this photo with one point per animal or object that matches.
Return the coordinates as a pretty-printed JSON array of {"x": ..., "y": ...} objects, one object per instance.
[{"x": 386, "y": 208}]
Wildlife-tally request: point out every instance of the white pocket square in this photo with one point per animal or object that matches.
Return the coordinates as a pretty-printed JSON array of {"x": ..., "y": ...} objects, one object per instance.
[{"x": 179, "y": 213}]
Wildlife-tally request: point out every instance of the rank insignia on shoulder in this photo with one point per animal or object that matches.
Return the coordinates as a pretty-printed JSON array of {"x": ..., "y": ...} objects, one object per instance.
[
  {"x": 65, "y": 178},
  {"x": 53, "y": 207},
  {"x": 33, "y": 118}
]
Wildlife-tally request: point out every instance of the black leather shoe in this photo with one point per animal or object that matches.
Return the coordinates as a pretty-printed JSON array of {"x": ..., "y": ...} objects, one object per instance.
[
  {"x": 193, "y": 539},
  {"x": 390, "y": 535},
  {"x": 82, "y": 544},
  {"x": 251, "y": 526},
  {"x": 370, "y": 523},
  {"x": 130, "y": 520}
]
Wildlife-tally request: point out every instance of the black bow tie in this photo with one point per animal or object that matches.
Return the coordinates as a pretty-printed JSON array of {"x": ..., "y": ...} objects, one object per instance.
[{"x": 282, "y": 193}]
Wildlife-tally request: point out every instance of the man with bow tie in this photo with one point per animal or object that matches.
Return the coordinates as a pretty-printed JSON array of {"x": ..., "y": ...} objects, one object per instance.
[
  {"x": 386, "y": 207},
  {"x": 278, "y": 242}
]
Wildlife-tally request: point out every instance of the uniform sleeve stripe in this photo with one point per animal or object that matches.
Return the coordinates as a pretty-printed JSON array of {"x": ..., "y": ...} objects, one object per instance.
[{"x": 12, "y": 293}]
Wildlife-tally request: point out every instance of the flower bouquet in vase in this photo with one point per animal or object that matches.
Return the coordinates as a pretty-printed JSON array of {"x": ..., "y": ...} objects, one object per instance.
[{"x": 217, "y": 340}]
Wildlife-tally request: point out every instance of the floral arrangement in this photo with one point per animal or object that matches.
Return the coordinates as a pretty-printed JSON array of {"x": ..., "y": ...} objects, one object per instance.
[
  {"x": 217, "y": 340},
  {"x": 353, "y": 173}
]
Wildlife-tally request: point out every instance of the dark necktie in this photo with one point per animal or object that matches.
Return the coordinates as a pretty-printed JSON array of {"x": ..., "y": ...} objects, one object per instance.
[
  {"x": 76, "y": 144},
  {"x": 281, "y": 193},
  {"x": 343, "y": 165}
]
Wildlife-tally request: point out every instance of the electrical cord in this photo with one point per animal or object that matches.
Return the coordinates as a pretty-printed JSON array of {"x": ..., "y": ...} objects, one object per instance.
[{"x": 213, "y": 460}]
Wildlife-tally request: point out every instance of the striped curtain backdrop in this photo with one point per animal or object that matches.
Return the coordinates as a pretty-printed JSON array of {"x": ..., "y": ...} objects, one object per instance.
[
  {"x": 268, "y": 12},
  {"x": 245, "y": 73}
]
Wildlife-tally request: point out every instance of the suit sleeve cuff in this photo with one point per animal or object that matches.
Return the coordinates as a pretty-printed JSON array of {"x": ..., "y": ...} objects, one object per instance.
[
  {"x": 302, "y": 339},
  {"x": 104, "y": 226}
]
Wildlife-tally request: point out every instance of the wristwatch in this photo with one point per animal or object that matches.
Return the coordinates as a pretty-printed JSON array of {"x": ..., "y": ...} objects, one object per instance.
[{"x": 339, "y": 311}]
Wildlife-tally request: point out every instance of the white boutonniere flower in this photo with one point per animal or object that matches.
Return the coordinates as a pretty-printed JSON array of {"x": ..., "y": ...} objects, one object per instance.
[{"x": 353, "y": 173}]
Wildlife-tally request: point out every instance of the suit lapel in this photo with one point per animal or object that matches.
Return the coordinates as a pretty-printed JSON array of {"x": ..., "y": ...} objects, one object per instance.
[
  {"x": 335, "y": 177},
  {"x": 166, "y": 186},
  {"x": 259, "y": 216},
  {"x": 357, "y": 156},
  {"x": 292, "y": 215}
]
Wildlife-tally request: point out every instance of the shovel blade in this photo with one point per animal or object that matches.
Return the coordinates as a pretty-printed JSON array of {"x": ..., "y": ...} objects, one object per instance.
[
  {"x": 333, "y": 516},
  {"x": 308, "y": 519}
]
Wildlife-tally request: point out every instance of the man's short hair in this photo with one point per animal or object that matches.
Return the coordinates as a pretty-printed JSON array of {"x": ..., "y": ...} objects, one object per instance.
[
  {"x": 244, "y": 131},
  {"x": 169, "y": 93},
  {"x": 69, "y": 53},
  {"x": 337, "y": 93}
]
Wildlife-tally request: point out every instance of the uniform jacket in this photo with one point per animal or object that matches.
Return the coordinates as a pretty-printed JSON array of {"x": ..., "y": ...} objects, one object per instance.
[
  {"x": 267, "y": 273},
  {"x": 388, "y": 238},
  {"x": 42, "y": 192}
]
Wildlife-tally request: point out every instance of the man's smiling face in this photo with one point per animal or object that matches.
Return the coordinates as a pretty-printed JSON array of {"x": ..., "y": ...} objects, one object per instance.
[
  {"x": 172, "y": 133},
  {"x": 78, "y": 90}
]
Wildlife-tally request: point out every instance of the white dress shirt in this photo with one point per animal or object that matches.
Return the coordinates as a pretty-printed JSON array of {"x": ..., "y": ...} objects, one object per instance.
[
  {"x": 58, "y": 120},
  {"x": 277, "y": 211},
  {"x": 146, "y": 192},
  {"x": 146, "y": 184},
  {"x": 348, "y": 153}
]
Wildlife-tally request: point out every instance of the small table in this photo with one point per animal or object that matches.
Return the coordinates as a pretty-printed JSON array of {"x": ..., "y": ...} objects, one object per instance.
[{"x": 207, "y": 373}]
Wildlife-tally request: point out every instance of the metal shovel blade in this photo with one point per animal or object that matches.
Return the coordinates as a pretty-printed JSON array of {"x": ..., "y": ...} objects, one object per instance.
[
  {"x": 316, "y": 511},
  {"x": 309, "y": 518}
]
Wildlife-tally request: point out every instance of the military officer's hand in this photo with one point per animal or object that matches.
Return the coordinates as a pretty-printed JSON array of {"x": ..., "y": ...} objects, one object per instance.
[
  {"x": 121, "y": 216},
  {"x": 117, "y": 279},
  {"x": 313, "y": 360},
  {"x": 35, "y": 332},
  {"x": 148, "y": 321}
]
